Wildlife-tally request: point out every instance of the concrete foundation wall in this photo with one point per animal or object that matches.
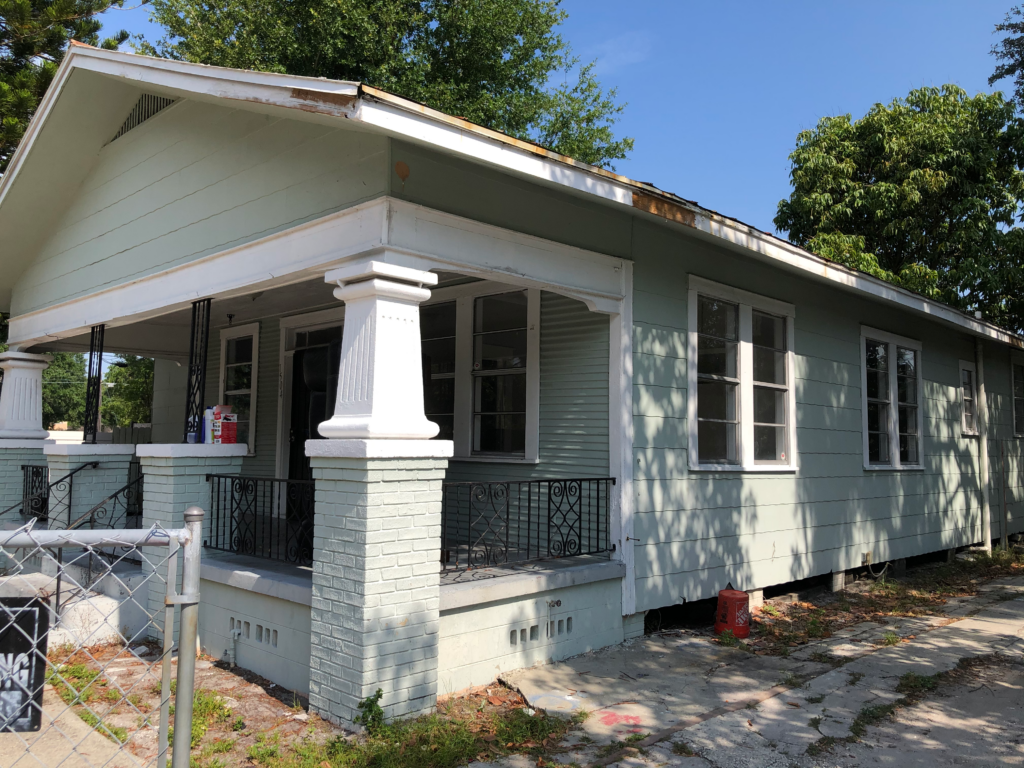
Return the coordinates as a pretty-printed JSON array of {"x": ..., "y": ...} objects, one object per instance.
[
  {"x": 275, "y": 632},
  {"x": 476, "y": 641}
]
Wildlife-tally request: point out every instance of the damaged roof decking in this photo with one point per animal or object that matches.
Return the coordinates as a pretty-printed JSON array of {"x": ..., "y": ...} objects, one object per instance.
[{"x": 381, "y": 112}]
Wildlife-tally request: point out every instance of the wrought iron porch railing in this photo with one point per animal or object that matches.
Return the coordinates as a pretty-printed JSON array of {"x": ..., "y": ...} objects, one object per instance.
[
  {"x": 492, "y": 523},
  {"x": 262, "y": 517},
  {"x": 38, "y": 495}
]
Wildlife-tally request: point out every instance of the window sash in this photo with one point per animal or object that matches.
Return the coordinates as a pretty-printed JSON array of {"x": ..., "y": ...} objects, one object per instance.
[
  {"x": 892, "y": 417},
  {"x": 756, "y": 430},
  {"x": 246, "y": 425},
  {"x": 1018, "y": 398},
  {"x": 968, "y": 398}
]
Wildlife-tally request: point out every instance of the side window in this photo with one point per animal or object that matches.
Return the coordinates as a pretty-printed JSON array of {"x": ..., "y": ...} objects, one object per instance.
[
  {"x": 499, "y": 374},
  {"x": 891, "y": 403},
  {"x": 740, "y": 390},
  {"x": 238, "y": 378},
  {"x": 437, "y": 332},
  {"x": 968, "y": 398},
  {"x": 1018, "y": 399}
]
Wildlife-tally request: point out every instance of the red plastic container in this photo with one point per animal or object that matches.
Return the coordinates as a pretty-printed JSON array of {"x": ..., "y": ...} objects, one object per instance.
[{"x": 733, "y": 613}]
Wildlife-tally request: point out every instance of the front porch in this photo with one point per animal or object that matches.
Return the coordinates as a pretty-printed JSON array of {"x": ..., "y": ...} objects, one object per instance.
[{"x": 515, "y": 381}]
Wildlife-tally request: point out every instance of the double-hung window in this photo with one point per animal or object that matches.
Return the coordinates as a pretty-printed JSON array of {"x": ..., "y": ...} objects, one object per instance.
[
  {"x": 740, "y": 380},
  {"x": 891, "y": 404},
  {"x": 239, "y": 368},
  {"x": 968, "y": 398}
]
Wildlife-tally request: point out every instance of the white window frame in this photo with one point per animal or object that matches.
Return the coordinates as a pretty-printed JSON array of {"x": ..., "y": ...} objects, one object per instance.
[
  {"x": 464, "y": 296},
  {"x": 893, "y": 340},
  {"x": 1015, "y": 359},
  {"x": 967, "y": 365},
  {"x": 237, "y": 332},
  {"x": 748, "y": 302}
]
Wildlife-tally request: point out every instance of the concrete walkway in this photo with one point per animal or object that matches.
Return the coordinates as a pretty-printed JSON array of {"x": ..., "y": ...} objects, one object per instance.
[{"x": 734, "y": 709}]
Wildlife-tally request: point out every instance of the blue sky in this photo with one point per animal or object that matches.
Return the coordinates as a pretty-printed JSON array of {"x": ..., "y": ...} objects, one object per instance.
[{"x": 717, "y": 92}]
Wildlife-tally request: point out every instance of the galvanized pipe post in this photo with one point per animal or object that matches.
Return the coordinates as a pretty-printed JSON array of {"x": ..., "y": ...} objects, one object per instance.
[{"x": 187, "y": 633}]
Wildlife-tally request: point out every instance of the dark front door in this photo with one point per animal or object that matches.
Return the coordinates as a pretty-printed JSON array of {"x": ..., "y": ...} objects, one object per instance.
[{"x": 314, "y": 390}]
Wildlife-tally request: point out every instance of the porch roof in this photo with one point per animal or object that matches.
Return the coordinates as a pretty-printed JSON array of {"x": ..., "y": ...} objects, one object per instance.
[{"x": 95, "y": 88}]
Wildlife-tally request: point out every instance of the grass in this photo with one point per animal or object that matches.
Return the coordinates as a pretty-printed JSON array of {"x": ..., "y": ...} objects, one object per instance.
[
  {"x": 76, "y": 683},
  {"x": 815, "y": 699},
  {"x": 915, "y": 685},
  {"x": 814, "y": 722},
  {"x": 112, "y": 732},
  {"x": 777, "y": 628},
  {"x": 855, "y": 677},
  {"x": 445, "y": 739},
  {"x": 890, "y": 638},
  {"x": 683, "y": 749},
  {"x": 728, "y": 639}
]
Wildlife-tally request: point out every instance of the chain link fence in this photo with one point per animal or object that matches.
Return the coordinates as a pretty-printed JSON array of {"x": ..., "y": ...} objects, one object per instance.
[{"x": 90, "y": 673}]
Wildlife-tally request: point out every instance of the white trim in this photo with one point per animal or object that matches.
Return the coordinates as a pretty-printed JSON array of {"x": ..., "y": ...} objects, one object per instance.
[
  {"x": 323, "y": 318},
  {"x": 237, "y": 332},
  {"x": 747, "y": 303},
  {"x": 189, "y": 450},
  {"x": 309, "y": 250},
  {"x": 15, "y": 443},
  {"x": 866, "y": 332},
  {"x": 967, "y": 365},
  {"x": 620, "y": 438},
  {"x": 88, "y": 449},
  {"x": 379, "y": 449}
]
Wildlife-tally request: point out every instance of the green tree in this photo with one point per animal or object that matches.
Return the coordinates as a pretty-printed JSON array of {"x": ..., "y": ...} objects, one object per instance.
[
  {"x": 130, "y": 399},
  {"x": 925, "y": 192},
  {"x": 64, "y": 390},
  {"x": 1010, "y": 52},
  {"x": 34, "y": 36},
  {"x": 490, "y": 61}
]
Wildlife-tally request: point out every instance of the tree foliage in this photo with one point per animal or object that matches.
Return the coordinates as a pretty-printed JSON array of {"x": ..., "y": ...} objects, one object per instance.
[
  {"x": 490, "y": 61},
  {"x": 1010, "y": 52},
  {"x": 64, "y": 390},
  {"x": 925, "y": 192},
  {"x": 34, "y": 36},
  {"x": 130, "y": 399}
]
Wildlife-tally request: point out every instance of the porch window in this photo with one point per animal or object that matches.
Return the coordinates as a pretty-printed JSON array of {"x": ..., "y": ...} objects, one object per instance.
[
  {"x": 968, "y": 398},
  {"x": 892, "y": 418},
  {"x": 239, "y": 361},
  {"x": 437, "y": 331},
  {"x": 499, "y": 374},
  {"x": 741, "y": 397},
  {"x": 1018, "y": 399}
]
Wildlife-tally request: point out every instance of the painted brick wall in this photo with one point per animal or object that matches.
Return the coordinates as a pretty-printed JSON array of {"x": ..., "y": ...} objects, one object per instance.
[{"x": 11, "y": 478}]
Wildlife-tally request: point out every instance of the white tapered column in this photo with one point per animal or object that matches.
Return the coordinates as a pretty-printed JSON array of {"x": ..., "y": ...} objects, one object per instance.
[
  {"x": 21, "y": 399},
  {"x": 380, "y": 383}
]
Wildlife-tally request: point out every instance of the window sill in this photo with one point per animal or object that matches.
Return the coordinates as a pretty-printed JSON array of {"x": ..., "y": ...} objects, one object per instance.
[
  {"x": 496, "y": 459},
  {"x": 877, "y": 468},
  {"x": 754, "y": 469}
]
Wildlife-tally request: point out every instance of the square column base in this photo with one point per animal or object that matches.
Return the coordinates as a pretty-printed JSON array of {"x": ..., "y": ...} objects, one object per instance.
[{"x": 376, "y": 575}]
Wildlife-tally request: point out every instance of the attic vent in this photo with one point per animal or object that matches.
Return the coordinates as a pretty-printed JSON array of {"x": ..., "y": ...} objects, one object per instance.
[{"x": 144, "y": 109}]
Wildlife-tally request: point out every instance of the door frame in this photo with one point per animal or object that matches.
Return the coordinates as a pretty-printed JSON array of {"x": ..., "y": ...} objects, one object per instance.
[{"x": 310, "y": 321}]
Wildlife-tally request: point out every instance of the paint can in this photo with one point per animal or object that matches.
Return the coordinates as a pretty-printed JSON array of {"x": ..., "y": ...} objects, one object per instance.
[{"x": 733, "y": 613}]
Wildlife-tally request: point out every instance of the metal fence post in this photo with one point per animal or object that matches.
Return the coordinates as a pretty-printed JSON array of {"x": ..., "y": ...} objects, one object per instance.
[{"x": 188, "y": 630}]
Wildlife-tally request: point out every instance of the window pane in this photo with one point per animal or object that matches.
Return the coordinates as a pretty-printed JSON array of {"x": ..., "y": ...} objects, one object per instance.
[
  {"x": 239, "y": 406},
  {"x": 878, "y": 417},
  {"x": 716, "y": 442},
  {"x": 238, "y": 377},
  {"x": 716, "y": 400},
  {"x": 877, "y": 355},
  {"x": 322, "y": 336},
  {"x": 769, "y": 331},
  {"x": 500, "y": 394},
  {"x": 439, "y": 397},
  {"x": 1018, "y": 381},
  {"x": 769, "y": 443},
  {"x": 906, "y": 362},
  {"x": 497, "y": 351},
  {"x": 238, "y": 350},
  {"x": 437, "y": 320},
  {"x": 499, "y": 313},
  {"x": 1018, "y": 415},
  {"x": 439, "y": 356},
  {"x": 500, "y": 434},
  {"x": 877, "y": 385},
  {"x": 769, "y": 406},
  {"x": 242, "y": 433},
  {"x": 769, "y": 366},
  {"x": 716, "y": 357},
  {"x": 878, "y": 448},
  {"x": 908, "y": 449},
  {"x": 906, "y": 389},
  {"x": 908, "y": 420},
  {"x": 717, "y": 318},
  {"x": 967, "y": 382}
]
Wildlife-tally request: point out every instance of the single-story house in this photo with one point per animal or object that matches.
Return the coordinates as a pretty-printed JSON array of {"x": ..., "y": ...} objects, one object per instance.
[{"x": 492, "y": 404}]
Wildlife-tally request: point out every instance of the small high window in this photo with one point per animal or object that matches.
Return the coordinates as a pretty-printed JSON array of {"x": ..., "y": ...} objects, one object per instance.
[{"x": 968, "y": 398}]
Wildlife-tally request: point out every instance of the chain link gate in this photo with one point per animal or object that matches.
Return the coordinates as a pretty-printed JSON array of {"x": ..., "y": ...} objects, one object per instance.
[{"x": 86, "y": 682}]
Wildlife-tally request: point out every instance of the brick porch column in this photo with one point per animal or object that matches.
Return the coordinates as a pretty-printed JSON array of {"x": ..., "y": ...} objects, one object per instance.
[
  {"x": 377, "y": 534},
  {"x": 173, "y": 479},
  {"x": 91, "y": 485}
]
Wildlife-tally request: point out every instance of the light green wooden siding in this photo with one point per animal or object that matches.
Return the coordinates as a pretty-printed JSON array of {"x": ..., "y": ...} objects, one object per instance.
[
  {"x": 194, "y": 180},
  {"x": 698, "y": 531},
  {"x": 264, "y": 462}
]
